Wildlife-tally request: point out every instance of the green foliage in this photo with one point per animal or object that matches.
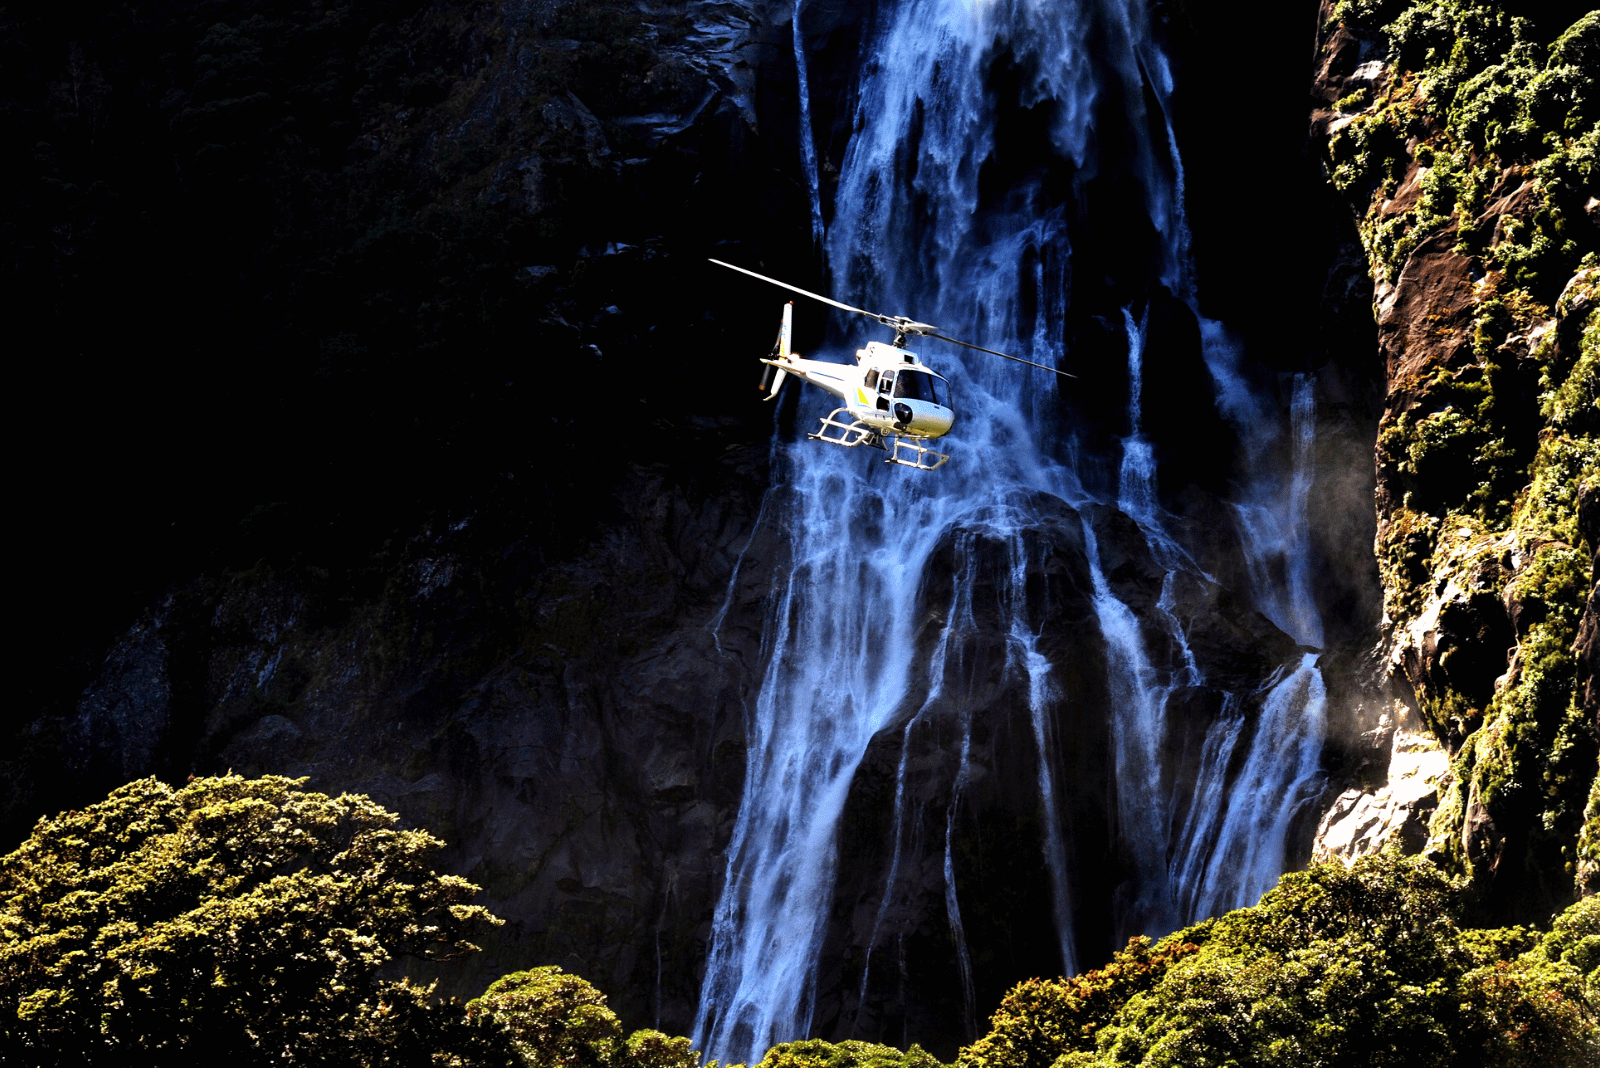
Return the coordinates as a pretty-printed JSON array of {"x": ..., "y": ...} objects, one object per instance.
[
  {"x": 1367, "y": 14},
  {"x": 1542, "y": 252},
  {"x": 1361, "y": 966},
  {"x": 1532, "y": 764},
  {"x": 1367, "y": 152},
  {"x": 1468, "y": 448},
  {"x": 1452, "y": 40},
  {"x": 1040, "y": 1019},
  {"x": 1405, "y": 559},
  {"x": 815, "y": 1053},
  {"x": 245, "y": 918},
  {"x": 1489, "y": 107},
  {"x": 1528, "y": 1012},
  {"x": 560, "y": 1020},
  {"x": 1551, "y": 589},
  {"x": 1575, "y": 60},
  {"x": 1356, "y": 101},
  {"x": 648, "y": 1048},
  {"x": 555, "y": 1018},
  {"x": 1586, "y": 875},
  {"x": 1573, "y": 406},
  {"x": 1472, "y": 68},
  {"x": 1574, "y": 939}
]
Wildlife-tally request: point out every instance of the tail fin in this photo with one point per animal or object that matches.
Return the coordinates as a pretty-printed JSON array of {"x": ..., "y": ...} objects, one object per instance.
[{"x": 780, "y": 351}]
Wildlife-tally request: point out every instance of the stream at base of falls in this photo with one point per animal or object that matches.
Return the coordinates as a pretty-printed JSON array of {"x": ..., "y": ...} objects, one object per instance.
[{"x": 1031, "y": 660}]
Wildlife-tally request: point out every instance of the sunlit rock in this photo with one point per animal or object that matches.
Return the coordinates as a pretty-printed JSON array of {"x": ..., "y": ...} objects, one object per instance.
[{"x": 1363, "y": 821}]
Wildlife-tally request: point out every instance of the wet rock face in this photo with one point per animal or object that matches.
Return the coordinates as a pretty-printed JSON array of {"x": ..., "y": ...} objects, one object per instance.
[
  {"x": 1588, "y": 644},
  {"x": 122, "y": 728},
  {"x": 1482, "y": 457},
  {"x": 573, "y": 730},
  {"x": 1195, "y": 445},
  {"x": 947, "y": 827},
  {"x": 1362, "y": 821}
]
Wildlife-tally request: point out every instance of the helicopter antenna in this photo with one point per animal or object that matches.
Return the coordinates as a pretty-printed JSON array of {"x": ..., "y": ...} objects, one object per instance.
[{"x": 902, "y": 326}]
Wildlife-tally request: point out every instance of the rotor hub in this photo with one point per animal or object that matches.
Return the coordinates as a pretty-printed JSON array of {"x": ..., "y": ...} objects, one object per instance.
[{"x": 908, "y": 327}]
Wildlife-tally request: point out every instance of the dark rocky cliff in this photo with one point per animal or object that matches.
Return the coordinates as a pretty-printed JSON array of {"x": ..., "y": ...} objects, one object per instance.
[{"x": 438, "y": 477}]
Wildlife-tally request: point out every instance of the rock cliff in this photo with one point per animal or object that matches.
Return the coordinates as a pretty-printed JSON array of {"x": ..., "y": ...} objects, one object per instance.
[
  {"x": 494, "y": 576},
  {"x": 1463, "y": 136}
]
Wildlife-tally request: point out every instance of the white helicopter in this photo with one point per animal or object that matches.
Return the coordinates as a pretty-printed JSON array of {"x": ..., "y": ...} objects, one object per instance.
[{"x": 892, "y": 400}]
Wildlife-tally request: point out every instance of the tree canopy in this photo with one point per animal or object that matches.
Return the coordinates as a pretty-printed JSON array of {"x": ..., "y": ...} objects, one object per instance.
[
  {"x": 1336, "y": 967},
  {"x": 246, "y": 918},
  {"x": 560, "y": 1020}
]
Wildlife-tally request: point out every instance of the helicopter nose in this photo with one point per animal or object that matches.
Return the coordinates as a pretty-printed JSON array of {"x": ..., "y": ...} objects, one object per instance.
[{"x": 932, "y": 420}]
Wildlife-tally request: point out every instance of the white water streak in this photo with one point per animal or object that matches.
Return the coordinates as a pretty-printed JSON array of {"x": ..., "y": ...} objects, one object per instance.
[
  {"x": 808, "y": 147},
  {"x": 908, "y": 237}
]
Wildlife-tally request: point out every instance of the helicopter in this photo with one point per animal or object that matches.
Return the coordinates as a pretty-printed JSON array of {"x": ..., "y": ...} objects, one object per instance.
[{"x": 892, "y": 400}]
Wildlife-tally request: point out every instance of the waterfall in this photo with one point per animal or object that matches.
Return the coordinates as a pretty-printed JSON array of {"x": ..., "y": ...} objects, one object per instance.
[
  {"x": 921, "y": 228},
  {"x": 808, "y": 147}
]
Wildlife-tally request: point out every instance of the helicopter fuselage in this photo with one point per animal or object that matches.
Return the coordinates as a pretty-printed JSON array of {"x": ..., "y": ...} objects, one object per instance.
[
  {"x": 892, "y": 401},
  {"x": 888, "y": 388}
]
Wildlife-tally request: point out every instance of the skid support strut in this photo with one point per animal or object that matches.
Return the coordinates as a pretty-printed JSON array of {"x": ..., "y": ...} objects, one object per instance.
[
  {"x": 907, "y": 452},
  {"x": 903, "y": 451},
  {"x": 916, "y": 455},
  {"x": 837, "y": 432}
]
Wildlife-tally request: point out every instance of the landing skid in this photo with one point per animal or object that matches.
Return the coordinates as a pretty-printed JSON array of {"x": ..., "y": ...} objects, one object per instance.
[
  {"x": 922, "y": 458},
  {"x": 906, "y": 451},
  {"x": 848, "y": 434}
]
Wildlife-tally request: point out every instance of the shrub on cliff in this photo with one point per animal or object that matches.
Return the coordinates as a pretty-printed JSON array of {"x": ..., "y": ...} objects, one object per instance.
[
  {"x": 244, "y": 921},
  {"x": 1361, "y": 966},
  {"x": 560, "y": 1020}
]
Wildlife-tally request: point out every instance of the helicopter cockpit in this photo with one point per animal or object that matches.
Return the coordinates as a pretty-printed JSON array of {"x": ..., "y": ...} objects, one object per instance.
[
  {"x": 916, "y": 384},
  {"x": 908, "y": 384}
]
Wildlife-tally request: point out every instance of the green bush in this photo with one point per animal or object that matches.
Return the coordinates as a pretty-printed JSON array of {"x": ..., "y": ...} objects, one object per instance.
[
  {"x": 1041, "y": 1019},
  {"x": 1361, "y": 966},
  {"x": 560, "y": 1020},
  {"x": 245, "y": 919},
  {"x": 815, "y": 1053}
]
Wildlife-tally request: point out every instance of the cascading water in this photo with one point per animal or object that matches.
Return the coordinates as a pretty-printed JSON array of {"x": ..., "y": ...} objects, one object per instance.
[
  {"x": 808, "y": 145},
  {"x": 927, "y": 223}
]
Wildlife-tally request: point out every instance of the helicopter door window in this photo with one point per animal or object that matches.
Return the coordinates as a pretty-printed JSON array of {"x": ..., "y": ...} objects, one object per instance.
[
  {"x": 872, "y": 378},
  {"x": 885, "y": 383}
]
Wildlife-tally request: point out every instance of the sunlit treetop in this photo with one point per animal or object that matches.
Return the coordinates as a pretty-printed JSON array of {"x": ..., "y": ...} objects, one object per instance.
[{"x": 244, "y": 917}]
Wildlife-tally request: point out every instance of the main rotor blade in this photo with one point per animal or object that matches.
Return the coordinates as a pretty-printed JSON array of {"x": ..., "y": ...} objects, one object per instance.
[
  {"x": 992, "y": 352},
  {"x": 807, "y": 293},
  {"x": 896, "y": 322}
]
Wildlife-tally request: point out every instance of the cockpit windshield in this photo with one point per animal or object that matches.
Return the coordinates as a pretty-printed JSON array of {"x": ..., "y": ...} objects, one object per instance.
[{"x": 920, "y": 385}]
